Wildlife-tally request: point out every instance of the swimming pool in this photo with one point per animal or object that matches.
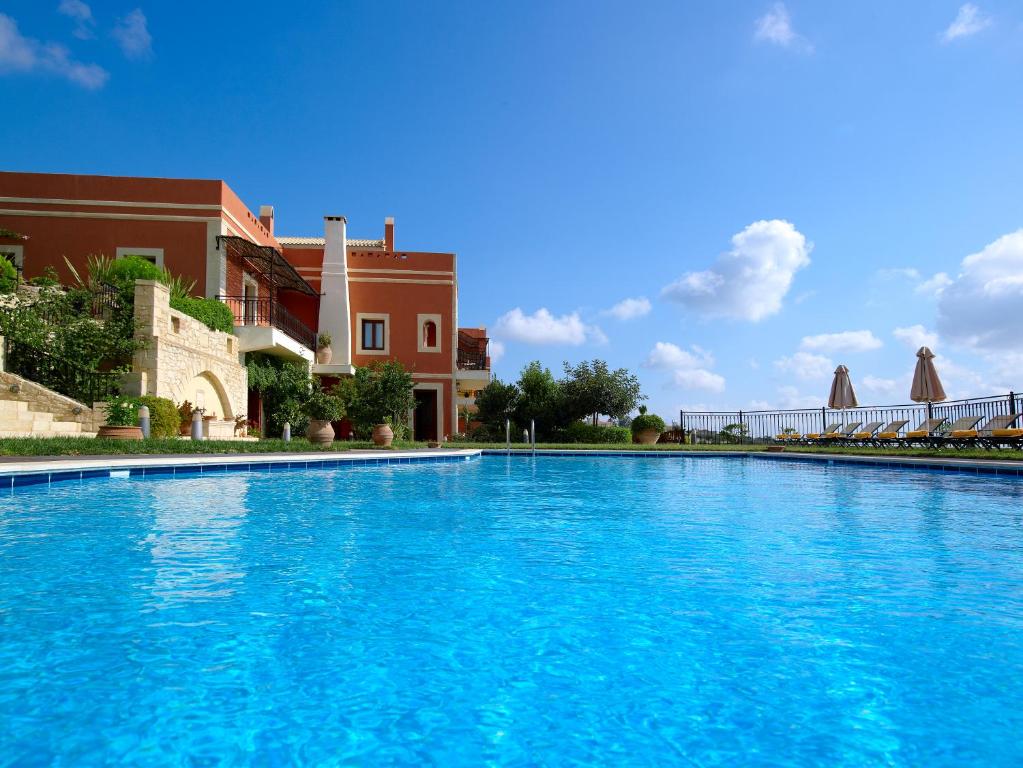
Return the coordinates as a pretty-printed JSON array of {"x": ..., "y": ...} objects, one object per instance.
[{"x": 516, "y": 611}]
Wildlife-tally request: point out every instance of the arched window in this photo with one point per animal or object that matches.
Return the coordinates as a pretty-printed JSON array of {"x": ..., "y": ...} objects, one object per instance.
[{"x": 429, "y": 334}]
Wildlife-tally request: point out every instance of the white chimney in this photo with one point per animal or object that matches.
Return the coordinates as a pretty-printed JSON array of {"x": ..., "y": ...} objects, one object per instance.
[{"x": 334, "y": 305}]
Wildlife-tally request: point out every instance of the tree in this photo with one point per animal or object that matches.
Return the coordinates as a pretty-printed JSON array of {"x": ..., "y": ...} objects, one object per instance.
[
  {"x": 377, "y": 394},
  {"x": 283, "y": 386},
  {"x": 541, "y": 400},
  {"x": 495, "y": 403},
  {"x": 591, "y": 389}
]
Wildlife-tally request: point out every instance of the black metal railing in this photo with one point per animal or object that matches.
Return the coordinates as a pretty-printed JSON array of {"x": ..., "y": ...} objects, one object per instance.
[
  {"x": 268, "y": 312},
  {"x": 472, "y": 352},
  {"x": 738, "y": 427},
  {"x": 63, "y": 376}
]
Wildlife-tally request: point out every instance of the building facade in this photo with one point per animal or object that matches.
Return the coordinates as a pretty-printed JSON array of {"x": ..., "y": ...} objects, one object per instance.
[{"x": 377, "y": 302}]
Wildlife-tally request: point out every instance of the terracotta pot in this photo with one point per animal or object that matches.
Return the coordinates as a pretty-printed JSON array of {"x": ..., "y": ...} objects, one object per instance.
[
  {"x": 323, "y": 355},
  {"x": 646, "y": 437},
  {"x": 320, "y": 432},
  {"x": 120, "y": 433},
  {"x": 382, "y": 435},
  {"x": 185, "y": 429},
  {"x": 433, "y": 444}
]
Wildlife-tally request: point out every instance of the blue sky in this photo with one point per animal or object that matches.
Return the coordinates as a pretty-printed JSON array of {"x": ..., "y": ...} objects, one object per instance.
[{"x": 777, "y": 187}]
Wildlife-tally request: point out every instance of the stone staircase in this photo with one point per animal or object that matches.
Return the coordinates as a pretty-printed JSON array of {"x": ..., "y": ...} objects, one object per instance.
[{"x": 28, "y": 409}]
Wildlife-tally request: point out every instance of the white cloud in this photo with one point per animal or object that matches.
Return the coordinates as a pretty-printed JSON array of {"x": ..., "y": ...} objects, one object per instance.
[
  {"x": 934, "y": 286},
  {"x": 790, "y": 398},
  {"x": 542, "y": 327},
  {"x": 629, "y": 309},
  {"x": 689, "y": 367},
  {"x": 775, "y": 27},
  {"x": 20, "y": 54},
  {"x": 969, "y": 21},
  {"x": 980, "y": 307},
  {"x": 916, "y": 336},
  {"x": 846, "y": 341},
  {"x": 890, "y": 273},
  {"x": 880, "y": 386},
  {"x": 496, "y": 350},
  {"x": 750, "y": 281},
  {"x": 132, "y": 34},
  {"x": 805, "y": 365},
  {"x": 82, "y": 14}
]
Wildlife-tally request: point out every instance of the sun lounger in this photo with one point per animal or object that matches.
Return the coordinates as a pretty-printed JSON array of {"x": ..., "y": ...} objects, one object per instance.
[
  {"x": 866, "y": 433},
  {"x": 890, "y": 432},
  {"x": 1001, "y": 431},
  {"x": 961, "y": 433},
  {"x": 842, "y": 434},
  {"x": 922, "y": 434},
  {"x": 830, "y": 429}
]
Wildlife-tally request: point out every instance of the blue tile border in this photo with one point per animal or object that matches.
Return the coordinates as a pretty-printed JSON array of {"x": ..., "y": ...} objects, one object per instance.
[{"x": 28, "y": 478}]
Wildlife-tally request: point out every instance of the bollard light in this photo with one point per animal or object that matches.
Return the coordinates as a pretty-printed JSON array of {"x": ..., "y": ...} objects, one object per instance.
[
  {"x": 286, "y": 433},
  {"x": 196, "y": 425},
  {"x": 144, "y": 420}
]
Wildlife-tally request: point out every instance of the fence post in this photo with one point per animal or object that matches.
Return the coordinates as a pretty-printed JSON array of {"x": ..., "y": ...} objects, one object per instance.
[
  {"x": 1012, "y": 403},
  {"x": 824, "y": 420},
  {"x": 742, "y": 440},
  {"x": 930, "y": 410}
]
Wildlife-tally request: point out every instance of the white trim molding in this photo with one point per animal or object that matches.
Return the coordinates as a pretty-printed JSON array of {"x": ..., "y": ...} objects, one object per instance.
[
  {"x": 421, "y": 321},
  {"x": 397, "y": 280},
  {"x": 359, "y": 317},
  {"x": 156, "y": 254}
]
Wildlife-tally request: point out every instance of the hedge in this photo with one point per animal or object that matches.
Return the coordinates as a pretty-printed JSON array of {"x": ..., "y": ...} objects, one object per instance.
[
  {"x": 164, "y": 418},
  {"x": 216, "y": 315},
  {"x": 580, "y": 432}
]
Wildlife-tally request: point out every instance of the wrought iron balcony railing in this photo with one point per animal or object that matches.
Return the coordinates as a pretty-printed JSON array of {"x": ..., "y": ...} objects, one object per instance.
[{"x": 267, "y": 312}]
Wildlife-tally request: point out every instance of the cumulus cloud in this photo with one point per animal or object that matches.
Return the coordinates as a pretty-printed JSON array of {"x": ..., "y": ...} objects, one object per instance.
[
  {"x": 26, "y": 55},
  {"x": 979, "y": 308},
  {"x": 879, "y": 385},
  {"x": 690, "y": 368},
  {"x": 806, "y": 365},
  {"x": 132, "y": 34},
  {"x": 925, "y": 286},
  {"x": 542, "y": 327},
  {"x": 775, "y": 27},
  {"x": 496, "y": 350},
  {"x": 934, "y": 286},
  {"x": 916, "y": 336},
  {"x": 81, "y": 13},
  {"x": 750, "y": 281},
  {"x": 969, "y": 21},
  {"x": 790, "y": 398},
  {"x": 629, "y": 309},
  {"x": 846, "y": 341}
]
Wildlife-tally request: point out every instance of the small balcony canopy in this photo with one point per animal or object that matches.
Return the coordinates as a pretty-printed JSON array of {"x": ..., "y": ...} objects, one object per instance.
[{"x": 267, "y": 262}]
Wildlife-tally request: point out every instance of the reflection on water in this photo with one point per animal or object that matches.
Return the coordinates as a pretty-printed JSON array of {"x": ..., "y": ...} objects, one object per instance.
[{"x": 194, "y": 540}]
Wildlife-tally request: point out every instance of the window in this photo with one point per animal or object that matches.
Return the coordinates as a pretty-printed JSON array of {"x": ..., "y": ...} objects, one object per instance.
[
  {"x": 153, "y": 255},
  {"x": 429, "y": 333},
  {"x": 250, "y": 300},
  {"x": 14, "y": 254},
  {"x": 373, "y": 335}
]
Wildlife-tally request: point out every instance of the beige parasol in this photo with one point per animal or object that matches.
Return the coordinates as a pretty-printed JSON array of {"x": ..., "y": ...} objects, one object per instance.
[
  {"x": 926, "y": 384},
  {"x": 842, "y": 394}
]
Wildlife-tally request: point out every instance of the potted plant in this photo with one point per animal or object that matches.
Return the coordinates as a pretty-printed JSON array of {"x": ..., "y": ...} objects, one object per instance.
[
  {"x": 241, "y": 425},
  {"x": 646, "y": 428},
  {"x": 322, "y": 408},
  {"x": 185, "y": 414},
  {"x": 122, "y": 420},
  {"x": 323, "y": 351}
]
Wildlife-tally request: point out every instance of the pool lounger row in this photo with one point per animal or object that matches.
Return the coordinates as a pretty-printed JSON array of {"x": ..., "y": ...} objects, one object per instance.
[{"x": 998, "y": 432}]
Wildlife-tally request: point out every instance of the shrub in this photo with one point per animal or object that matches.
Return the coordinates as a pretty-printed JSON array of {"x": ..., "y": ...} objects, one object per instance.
[
  {"x": 283, "y": 386},
  {"x": 215, "y": 315},
  {"x": 580, "y": 432},
  {"x": 48, "y": 279},
  {"x": 123, "y": 272},
  {"x": 322, "y": 406},
  {"x": 378, "y": 394},
  {"x": 322, "y": 340},
  {"x": 122, "y": 411},
  {"x": 164, "y": 418},
  {"x": 8, "y": 276},
  {"x": 646, "y": 421}
]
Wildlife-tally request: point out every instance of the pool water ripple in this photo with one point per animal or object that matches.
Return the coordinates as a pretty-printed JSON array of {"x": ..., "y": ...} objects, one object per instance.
[{"x": 517, "y": 612}]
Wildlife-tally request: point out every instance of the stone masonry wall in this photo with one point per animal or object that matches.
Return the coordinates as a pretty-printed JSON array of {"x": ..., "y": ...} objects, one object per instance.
[{"x": 178, "y": 350}]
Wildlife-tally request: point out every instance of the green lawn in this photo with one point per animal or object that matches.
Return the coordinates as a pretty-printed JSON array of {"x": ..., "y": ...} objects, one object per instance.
[{"x": 88, "y": 446}]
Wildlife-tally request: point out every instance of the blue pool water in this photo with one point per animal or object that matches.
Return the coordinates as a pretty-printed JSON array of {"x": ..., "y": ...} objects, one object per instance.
[{"x": 516, "y": 611}]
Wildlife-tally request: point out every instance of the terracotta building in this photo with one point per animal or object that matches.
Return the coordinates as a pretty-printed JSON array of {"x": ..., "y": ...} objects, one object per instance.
[{"x": 376, "y": 301}]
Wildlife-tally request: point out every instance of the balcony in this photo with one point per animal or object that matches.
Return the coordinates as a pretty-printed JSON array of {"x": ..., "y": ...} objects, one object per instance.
[
  {"x": 264, "y": 325},
  {"x": 472, "y": 352}
]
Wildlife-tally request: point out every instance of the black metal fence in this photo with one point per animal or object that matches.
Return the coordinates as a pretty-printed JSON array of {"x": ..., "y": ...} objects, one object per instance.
[
  {"x": 472, "y": 352},
  {"x": 725, "y": 427},
  {"x": 60, "y": 375},
  {"x": 268, "y": 312}
]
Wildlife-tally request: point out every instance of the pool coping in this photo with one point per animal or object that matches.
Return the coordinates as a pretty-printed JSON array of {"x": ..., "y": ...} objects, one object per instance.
[
  {"x": 16, "y": 474},
  {"x": 950, "y": 465}
]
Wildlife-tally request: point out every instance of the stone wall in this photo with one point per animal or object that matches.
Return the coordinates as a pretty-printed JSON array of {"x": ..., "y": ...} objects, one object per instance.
[{"x": 181, "y": 359}]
